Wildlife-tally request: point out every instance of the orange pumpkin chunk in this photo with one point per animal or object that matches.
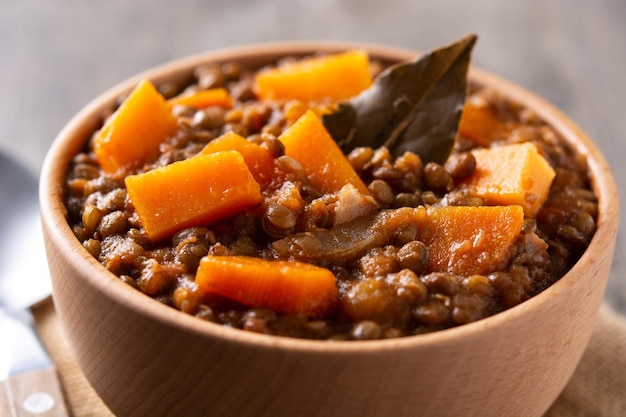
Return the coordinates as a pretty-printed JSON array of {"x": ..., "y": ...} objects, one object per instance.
[
  {"x": 337, "y": 77},
  {"x": 323, "y": 162},
  {"x": 470, "y": 240},
  {"x": 193, "y": 192},
  {"x": 479, "y": 123},
  {"x": 284, "y": 286},
  {"x": 511, "y": 174},
  {"x": 259, "y": 160},
  {"x": 204, "y": 98},
  {"x": 132, "y": 135}
]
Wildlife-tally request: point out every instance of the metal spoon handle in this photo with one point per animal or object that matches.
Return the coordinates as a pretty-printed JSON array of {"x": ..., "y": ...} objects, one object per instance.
[{"x": 36, "y": 393}]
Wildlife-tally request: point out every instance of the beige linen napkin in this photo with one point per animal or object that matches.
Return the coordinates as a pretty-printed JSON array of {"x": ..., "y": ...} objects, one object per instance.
[{"x": 597, "y": 388}]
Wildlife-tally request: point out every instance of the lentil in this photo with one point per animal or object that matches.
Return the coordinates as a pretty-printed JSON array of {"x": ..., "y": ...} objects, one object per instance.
[{"x": 413, "y": 256}]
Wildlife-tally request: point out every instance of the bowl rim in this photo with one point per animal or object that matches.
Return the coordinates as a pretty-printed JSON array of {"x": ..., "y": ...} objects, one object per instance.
[{"x": 67, "y": 144}]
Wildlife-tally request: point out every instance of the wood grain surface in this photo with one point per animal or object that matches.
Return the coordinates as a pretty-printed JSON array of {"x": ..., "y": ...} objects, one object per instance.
[
  {"x": 35, "y": 393},
  {"x": 55, "y": 56}
]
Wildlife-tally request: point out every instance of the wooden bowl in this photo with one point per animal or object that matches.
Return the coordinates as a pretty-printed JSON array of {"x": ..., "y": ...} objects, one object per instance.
[{"x": 146, "y": 359}]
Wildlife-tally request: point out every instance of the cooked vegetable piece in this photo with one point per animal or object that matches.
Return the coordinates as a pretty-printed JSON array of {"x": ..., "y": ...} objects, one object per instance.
[
  {"x": 348, "y": 204},
  {"x": 284, "y": 286},
  {"x": 338, "y": 77},
  {"x": 197, "y": 191},
  {"x": 323, "y": 162},
  {"x": 470, "y": 240},
  {"x": 259, "y": 160},
  {"x": 479, "y": 122},
  {"x": 511, "y": 174},
  {"x": 349, "y": 240},
  {"x": 132, "y": 135},
  {"x": 204, "y": 98}
]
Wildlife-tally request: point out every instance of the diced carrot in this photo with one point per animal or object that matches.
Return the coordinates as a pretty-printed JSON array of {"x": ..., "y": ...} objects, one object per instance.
[
  {"x": 284, "y": 286},
  {"x": 132, "y": 135},
  {"x": 259, "y": 160},
  {"x": 479, "y": 122},
  {"x": 511, "y": 174},
  {"x": 204, "y": 98},
  {"x": 193, "y": 192},
  {"x": 338, "y": 77},
  {"x": 323, "y": 162},
  {"x": 470, "y": 240}
]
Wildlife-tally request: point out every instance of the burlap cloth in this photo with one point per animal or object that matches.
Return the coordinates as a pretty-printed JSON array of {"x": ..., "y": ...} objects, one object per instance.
[{"x": 597, "y": 388}]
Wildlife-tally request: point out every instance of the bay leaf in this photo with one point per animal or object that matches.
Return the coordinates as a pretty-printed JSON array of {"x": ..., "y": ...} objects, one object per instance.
[{"x": 411, "y": 106}]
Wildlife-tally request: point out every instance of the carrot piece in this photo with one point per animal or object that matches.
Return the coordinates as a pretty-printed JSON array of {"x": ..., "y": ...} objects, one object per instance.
[
  {"x": 338, "y": 77},
  {"x": 204, "y": 98},
  {"x": 479, "y": 123},
  {"x": 192, "y": 192},
  {"x": 470, "y": 240},
  {"x": 284, "y": 286},
  {"x": 132, "y": 135},
  {"x": 323, "y": 162},
  {"x": 259, "y": 160},
  {"x": 511, "y": 174}
]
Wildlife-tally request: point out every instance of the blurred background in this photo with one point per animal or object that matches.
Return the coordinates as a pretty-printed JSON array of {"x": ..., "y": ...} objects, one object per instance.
[{"x": 57, "y": 55}]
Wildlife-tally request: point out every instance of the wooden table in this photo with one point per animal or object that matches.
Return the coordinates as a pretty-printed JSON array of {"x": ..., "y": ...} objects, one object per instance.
[{"x": 57, "y": 55}]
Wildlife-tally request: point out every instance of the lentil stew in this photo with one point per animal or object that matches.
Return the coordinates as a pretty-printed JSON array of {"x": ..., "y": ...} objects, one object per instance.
[{"x": 373, "y": 240}]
